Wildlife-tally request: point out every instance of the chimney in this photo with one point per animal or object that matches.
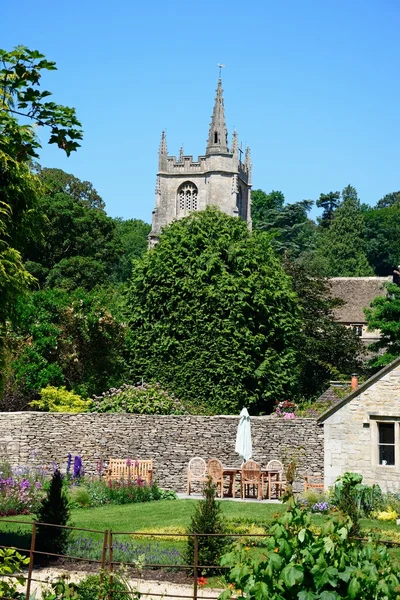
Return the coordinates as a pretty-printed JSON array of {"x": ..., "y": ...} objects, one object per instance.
[{"x": 354, "y": 381}]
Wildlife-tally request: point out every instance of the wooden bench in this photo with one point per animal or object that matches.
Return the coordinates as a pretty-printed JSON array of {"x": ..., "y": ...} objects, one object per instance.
[
  {"x": 122, "y": 468},
  {"x": 313, "y": 482}
]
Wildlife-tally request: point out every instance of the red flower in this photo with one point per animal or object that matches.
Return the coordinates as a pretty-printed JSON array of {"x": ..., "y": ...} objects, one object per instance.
[{"x": 202, "y": 581}]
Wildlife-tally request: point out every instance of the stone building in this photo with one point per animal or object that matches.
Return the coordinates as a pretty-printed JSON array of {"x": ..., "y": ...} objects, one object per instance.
[
  {"x": 362, "y": 431},
  {"x": 357, "y": 293},
  {"x": 221, "y": 177}
]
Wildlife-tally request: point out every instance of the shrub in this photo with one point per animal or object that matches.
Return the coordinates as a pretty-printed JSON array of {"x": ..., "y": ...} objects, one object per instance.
[
  {"x": 93, "y": 588},
  {"x": 355, "y": 499},
  {"x": 54, "y": 509},
  {"x": 55, "y": 399},
  {"x": 300, "y": 563},
  {"x": 145, "y": 398},
  {"x": 207, "y": 518}
]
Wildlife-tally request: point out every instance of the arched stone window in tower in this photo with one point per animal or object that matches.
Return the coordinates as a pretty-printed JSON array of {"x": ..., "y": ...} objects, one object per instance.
[{"x": 187, "y": 198}]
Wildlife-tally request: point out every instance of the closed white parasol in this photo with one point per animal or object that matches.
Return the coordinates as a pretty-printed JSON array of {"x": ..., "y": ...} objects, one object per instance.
[{"x": 243, "y": 445}]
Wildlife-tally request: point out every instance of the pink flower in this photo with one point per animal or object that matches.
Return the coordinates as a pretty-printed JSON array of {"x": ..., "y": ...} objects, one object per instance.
[{"x": 128, "y": 462}]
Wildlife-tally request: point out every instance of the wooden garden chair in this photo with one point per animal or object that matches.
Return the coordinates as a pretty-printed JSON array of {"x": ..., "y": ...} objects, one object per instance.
[
  {"x": 251, "y": 476},
  {"x": 215, "y": 470},
  {"x": 278, "y": 483},
  {"x": 313, "y": 482},
  {"x": 197, "y": 471}
]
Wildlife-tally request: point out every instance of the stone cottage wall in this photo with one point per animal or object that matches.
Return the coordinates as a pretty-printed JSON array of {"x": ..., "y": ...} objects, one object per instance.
[
  {"x": 32, "y": 438},
  {"x": 351, "y": 434}
]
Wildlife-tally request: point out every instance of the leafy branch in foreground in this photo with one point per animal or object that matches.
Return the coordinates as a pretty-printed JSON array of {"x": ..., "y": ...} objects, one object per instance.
[{"x": 20, "y": 96}]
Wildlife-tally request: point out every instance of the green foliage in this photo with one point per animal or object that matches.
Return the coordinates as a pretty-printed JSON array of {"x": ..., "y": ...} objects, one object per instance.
[
  {"x": 94, "y": 587},
  {"x": 329, "y": 202},
  {"x": 20, "y": 95},
  {"x": 79, "y": 245},
  {"x": 298, "y": 563},
  {"x": 355, "y": 499},
  {"x": 383, "y": 238},
  {"x": 289, "y": 229},
  {"x": 69, "y": 338},
  {"x": 329, "y": 348},
  {"x": 144, "y": 398},
  {"x": 133, "y": 236},
  {"x": 54, "y": 509},
  {"x": 342, "y": 246},
  {"x": 11, "y": 562},
  {"x": 384, "y": 315},
  {"x": 213, "y": 317},
  {"x": 262, "y": 203},
  {"x": 207, "y": 518},
  {"x": 54, "y": 399}
]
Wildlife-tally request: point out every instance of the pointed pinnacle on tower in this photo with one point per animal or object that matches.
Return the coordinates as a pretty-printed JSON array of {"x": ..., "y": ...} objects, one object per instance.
[
  {"x": 218, "y": 135},
  {"x": 181, "y": 154},
  {"x": 162, "y": 152},
  {"x": 235, "y": 143}
]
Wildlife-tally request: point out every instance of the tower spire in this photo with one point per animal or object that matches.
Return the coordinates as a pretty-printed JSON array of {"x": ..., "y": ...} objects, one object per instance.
[{"x": 218, "y": 135}]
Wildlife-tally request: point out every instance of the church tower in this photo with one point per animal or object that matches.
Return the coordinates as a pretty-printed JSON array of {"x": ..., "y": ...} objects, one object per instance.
[{"x": 219, "y": 178}]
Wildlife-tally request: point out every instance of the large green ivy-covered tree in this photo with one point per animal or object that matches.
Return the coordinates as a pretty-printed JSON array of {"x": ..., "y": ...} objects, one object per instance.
[{"x": 213, "y": 316}]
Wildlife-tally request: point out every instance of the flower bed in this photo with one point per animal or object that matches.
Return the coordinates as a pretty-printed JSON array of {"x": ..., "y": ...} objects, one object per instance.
[{"x": 21, "y": 490}]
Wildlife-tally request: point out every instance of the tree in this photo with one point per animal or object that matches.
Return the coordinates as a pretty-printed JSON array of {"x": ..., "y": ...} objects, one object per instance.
[
  {"x": 383, "y": 238},
  {"x": 343, "y": 245},
  {"x": 55, "y": 510},
  {"x": 207, "y": 519},
  {"x": 389, "y": 200},
  {"x": 329, "y": 349},
  {"x": 213, "y": 317},
  {"x": 262, "y": 203},
  {"x": 79, "y": 245},
  {"x": 20, "y": 74},
  {"x": 65, "y": 338},
  {"x": 133, "y": 236},
  {"x": 384, "y": 315},
  {"x": 289, "y": 228},
  {"x": 329, "y": 202}
]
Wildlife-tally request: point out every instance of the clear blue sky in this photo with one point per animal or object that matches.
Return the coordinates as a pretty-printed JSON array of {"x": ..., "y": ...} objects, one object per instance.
[{"x": 312, "y": 87}]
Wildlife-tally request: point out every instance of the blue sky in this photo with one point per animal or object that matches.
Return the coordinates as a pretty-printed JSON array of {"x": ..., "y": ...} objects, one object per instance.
[{"x": 312, "y": 87}]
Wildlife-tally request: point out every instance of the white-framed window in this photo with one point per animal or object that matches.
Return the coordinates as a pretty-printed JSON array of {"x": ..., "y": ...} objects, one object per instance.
[
  {"x": 187, "y": 198},
  {"x": 385, "y": 441}
]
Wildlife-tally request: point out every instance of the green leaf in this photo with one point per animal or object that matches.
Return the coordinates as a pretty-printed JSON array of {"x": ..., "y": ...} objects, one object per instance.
[
  {"x": 306, "y": 595},
  {"x": 301, "y": 535},
  {"x": 292, "y": 575},
  {"x": 260, "y": 591},
  {"x": 354, "y": 588},
  {"x": 329, "y": 544},
  {"x": 328, "y": 595}
]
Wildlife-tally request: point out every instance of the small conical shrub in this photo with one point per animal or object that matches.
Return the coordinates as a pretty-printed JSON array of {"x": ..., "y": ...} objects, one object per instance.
[
  {"x": 207, "y": 518},
  {"x": 54, "y": 509}
]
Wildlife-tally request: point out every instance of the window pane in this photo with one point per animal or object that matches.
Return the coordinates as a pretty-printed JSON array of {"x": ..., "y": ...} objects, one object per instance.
[
  {"x": 386, "y": 433},
  {"x": 386, "y": 455}
]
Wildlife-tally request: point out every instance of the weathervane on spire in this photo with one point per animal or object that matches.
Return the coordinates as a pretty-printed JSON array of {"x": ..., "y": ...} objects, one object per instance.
[{"x": 220, "y": 67}]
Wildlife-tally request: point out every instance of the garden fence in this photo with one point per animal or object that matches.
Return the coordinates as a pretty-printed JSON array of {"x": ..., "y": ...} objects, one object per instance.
[{"x": 107, "y": 563}]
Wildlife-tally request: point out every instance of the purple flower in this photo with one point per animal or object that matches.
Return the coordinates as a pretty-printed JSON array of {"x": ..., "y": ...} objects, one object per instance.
[
  {"x": 77, "y": 467},
  {"x": 128, "y": 462},
  {"x": 69, "y": 462}
]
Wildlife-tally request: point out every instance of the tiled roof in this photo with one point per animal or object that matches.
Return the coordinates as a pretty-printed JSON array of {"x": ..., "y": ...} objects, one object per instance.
[{"x": 357, "y": 293}]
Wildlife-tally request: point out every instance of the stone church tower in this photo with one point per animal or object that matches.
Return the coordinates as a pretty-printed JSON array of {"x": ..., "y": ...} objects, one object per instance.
[{"x": 219, "y": 178}]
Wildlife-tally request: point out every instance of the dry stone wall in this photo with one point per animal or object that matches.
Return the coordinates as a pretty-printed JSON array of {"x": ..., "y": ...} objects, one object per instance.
[{"x": 32, "y": 438}]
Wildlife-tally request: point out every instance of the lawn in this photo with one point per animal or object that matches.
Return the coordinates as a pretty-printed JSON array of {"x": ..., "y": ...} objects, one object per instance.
[{"x": 171, "y": 516}]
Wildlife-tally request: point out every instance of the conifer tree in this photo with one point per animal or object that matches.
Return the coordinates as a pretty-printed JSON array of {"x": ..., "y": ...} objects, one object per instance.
[
  {"x": 343, "y": 244},
  {"x": 207, "y": 518},
  {"x": 55, "y": 510}
]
